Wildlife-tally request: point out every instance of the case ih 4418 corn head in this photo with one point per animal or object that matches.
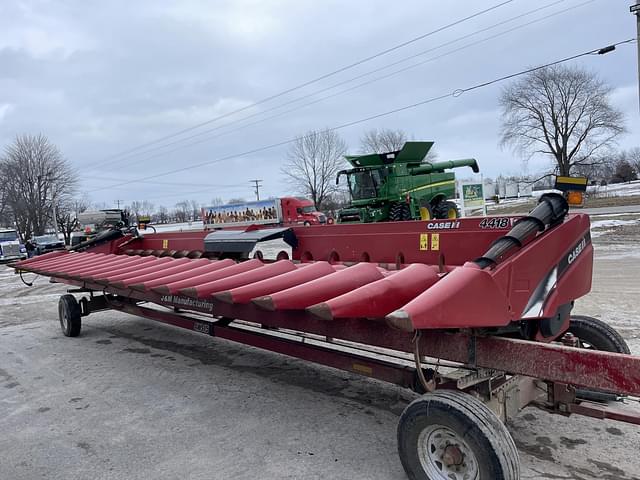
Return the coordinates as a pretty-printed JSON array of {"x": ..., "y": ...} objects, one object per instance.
[{"x": 474, "y": 315}]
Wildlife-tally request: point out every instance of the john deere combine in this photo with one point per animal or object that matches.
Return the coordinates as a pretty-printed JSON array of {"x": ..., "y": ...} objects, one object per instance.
[{"x": 399, "y": 186}]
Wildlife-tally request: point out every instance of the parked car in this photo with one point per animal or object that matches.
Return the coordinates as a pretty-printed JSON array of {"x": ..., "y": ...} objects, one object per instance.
[{"x": 47, "y": 243}]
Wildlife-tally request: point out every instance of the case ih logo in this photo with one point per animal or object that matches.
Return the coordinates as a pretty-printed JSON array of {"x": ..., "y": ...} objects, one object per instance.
[
  {"x": 576, "y": 251},
  {"x": 442, "y": 225}
]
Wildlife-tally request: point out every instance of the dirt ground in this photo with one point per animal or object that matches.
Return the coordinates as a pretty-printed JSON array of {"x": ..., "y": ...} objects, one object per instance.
[{"x": 134, "y": 399}]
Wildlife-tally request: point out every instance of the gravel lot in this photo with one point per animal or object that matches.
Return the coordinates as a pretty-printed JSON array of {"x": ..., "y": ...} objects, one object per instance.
[{"x": 134, "y": 399}]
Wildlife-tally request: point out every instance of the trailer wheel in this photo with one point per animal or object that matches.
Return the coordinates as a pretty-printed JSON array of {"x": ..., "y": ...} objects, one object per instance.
[
  {"x": 70, "y": 315},
  {"x": 446, "y": 209},
  {"x": 450, "y": 435},
  {"x": 595, "y": 334}
]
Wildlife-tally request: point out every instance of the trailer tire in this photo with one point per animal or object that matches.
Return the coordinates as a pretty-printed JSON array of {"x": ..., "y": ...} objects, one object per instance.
[
  {"x": 599, "y": 336},
  {"x": 446, "y": 210},
  {"x": 449, "y": 434},
  {"x": 70, "y": 315}
]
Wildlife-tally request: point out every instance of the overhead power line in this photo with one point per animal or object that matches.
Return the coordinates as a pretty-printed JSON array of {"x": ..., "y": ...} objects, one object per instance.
[
  {"x": 352, "y": 88},
  {"x": 347, "y": 81},
  {"x": 312, "y": 81},
  {"x": 454, "y": 93}
]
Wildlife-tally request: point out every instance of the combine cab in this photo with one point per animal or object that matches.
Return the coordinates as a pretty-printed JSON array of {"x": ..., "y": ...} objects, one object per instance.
[
  {"x": 399, "y": 186},
  {"x": 475, "y": 318}
]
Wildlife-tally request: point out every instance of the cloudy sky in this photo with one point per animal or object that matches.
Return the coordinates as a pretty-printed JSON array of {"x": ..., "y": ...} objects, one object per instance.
[{"x": 103, "y": 78}]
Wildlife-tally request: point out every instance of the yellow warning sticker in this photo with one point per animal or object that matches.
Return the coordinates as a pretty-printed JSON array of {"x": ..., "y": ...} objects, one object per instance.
[
  {"x": 424, "y": 241},
  {"x": 363, "y": 369},
  {"x": 435, "y": 241},
  {"x": 165, "y": 243}
]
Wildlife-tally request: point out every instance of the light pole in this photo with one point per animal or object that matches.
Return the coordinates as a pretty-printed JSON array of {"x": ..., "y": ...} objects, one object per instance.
[{"x": 635, "y": 9}]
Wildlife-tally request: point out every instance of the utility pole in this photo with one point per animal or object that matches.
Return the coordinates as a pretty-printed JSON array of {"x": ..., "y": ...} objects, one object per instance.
[
  {"x": 258, "y": 184},
  {"x": 118, "y": 202},
  {"x": 635, "y": 9}
]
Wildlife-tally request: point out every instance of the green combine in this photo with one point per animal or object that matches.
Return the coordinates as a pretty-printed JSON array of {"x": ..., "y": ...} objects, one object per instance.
[{"x": 399, "y": 186}]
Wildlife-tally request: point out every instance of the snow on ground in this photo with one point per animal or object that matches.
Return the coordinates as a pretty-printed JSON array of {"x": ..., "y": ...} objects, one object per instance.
[
  {"x": 615, "y": 189},
  {"x": 613, "y": 214},
  {"x": 612, "y": 223}
]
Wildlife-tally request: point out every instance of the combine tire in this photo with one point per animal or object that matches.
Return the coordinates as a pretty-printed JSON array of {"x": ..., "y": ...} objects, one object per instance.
[
  {"x": 446, "y": 209},
  {"x": 595, "y": 334},
  {"x": 69, "y": 315},
  {"x": 448, "y": 435},
  {"x": 399, "y": 212},
  {"x": 426, "y": 212}
]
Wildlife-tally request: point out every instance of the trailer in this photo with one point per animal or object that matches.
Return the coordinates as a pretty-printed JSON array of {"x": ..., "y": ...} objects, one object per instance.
[
  {"x": 274, "y": 211},
  {"x": 473, "y": 314}
]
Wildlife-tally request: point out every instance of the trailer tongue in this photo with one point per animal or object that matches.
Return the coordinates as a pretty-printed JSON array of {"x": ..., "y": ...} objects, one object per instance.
[{"x": 475, "y": 315}]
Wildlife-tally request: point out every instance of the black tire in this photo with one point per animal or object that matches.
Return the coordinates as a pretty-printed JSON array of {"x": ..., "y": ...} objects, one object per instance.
[
  {"x": 446, "y": 209},
  {"x": 482, "y": 447},
  {"x": 399, "y": 212},
  {"x": 69, "y": 315},
  {"x": 595, "y": 334}
]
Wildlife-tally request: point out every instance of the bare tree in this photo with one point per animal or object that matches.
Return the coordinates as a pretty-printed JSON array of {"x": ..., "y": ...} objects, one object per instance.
[
  {"x": 633, "y": 157},
  {"x": 387, "y": 140},
  {"x": 195, "y": 210},
  {"x": 560, "y": 111},
  {"x": 5, "y": 210},
  {"x": 67, "y": 212},
  {"x": 236, "y": 200},
  {"x": 313, "y": 161},
  {"x": 36, "y": 177},
  {"x": 216, "y": 202},
  {"x": 135, "y": 209},
  {"x": 162, "y": 215},
  {"x": 598, "y": 170},
  {"x": 382, "y": 141},
  {"x": 182, "y": 210},
  {"x": 624, "y": 172}
]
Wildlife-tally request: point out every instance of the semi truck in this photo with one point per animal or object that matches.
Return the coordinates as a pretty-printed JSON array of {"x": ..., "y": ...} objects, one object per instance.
[
  {"x": 10, "y": 246},
  {"x": 399, "y": 185},
  {"x": 280, "y": 211}
]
